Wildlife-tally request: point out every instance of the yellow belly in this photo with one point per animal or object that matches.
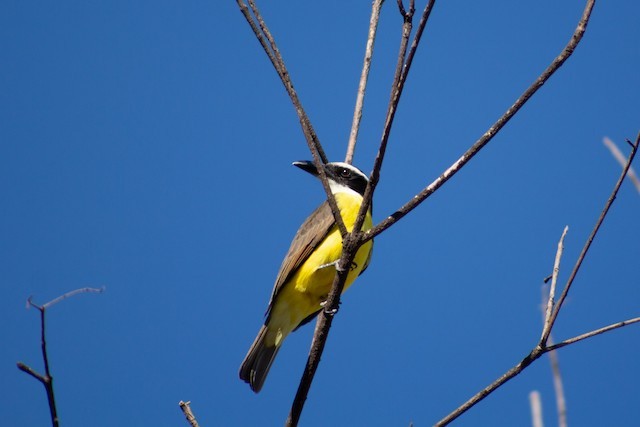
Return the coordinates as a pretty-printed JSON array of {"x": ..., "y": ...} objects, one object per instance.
[{"x": 308, "y": 288}]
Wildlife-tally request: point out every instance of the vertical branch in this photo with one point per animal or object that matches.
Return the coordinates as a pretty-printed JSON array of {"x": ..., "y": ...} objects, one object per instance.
[
  {"x": 552, "y": 289},
  {"x": 366, "y": 66}
]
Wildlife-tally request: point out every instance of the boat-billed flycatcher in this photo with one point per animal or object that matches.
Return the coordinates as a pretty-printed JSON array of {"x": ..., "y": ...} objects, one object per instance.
[{"x": 308, "y": 269}]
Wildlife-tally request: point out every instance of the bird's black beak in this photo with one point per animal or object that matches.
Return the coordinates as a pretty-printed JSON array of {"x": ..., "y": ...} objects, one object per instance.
[{"x": 307, "y": 166}]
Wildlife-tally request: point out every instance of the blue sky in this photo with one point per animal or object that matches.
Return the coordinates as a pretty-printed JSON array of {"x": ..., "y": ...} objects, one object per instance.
[{"x": 146, "y": 147}]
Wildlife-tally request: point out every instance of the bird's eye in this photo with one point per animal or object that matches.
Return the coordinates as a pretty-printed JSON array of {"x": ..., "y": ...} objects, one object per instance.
[{"x": 345, "y": 173}]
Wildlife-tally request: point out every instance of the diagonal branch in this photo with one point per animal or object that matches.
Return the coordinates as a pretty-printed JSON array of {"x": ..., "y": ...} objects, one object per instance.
[
  {"x": 185, "y": 407},
  {"x": 268, "y": 43},
  {"x": 493, "y": 130}
]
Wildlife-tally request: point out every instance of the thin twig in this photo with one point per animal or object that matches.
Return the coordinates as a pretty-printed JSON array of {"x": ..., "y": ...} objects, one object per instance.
[
  {"x": 188, "y": 414},
  {"x": 617, "y": 154},
  {"x": 362, "y": 86},
  {"x": 47, "y": 378},
  {"x": 593, "y": 333},
  {"x": 70, "y": 294},
  {"x": 493, "y": 130},
  {"x": 552, "y": 289}
]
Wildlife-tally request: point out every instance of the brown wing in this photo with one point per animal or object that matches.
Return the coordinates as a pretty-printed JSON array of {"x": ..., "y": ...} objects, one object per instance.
[{"x": 309, "y": 236}]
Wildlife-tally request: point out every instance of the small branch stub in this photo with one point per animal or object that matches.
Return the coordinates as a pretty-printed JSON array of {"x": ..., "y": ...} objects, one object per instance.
[{"x": 188, "y": 414}]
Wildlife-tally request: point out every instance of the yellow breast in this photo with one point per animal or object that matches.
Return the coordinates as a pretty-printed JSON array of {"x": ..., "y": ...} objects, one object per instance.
[{"x": 303, "y": 294}]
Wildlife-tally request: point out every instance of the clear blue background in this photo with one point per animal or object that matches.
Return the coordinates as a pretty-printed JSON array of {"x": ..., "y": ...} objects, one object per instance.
[{"x": 146, "y": 147}]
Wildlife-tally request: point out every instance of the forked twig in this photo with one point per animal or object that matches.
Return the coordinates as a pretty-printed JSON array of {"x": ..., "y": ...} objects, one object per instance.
[
  {"x": 541, "y": 348},
  {"x": 47, "y": 378}
]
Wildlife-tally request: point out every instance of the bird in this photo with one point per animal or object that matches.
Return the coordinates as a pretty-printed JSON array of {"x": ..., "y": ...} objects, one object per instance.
[{"x": 308, "y": 269}]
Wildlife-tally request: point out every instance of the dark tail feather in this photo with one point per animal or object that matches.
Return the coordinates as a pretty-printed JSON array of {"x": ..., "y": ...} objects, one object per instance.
[{"x": 256, "y": 364}]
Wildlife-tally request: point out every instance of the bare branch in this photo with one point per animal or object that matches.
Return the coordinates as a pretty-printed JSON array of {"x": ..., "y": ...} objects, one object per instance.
[
  {"x": 493, "y": 130},
  {"x": 366, "y": 66},
  {"x": 186, "y": 410},
  {"x": 536, "y": 409},
  {"x": 268, "y": 43},
  {"x": 552, "y": 288},
  {"x": 526, "y": 361},
  {"x": 617, "y": 154},
  {"x": 70, "y": 294},
  {"x": 593, "y": 333}
]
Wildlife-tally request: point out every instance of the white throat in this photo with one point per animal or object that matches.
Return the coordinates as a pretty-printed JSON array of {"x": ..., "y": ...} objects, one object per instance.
[{"x": 341, "y": 188}]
